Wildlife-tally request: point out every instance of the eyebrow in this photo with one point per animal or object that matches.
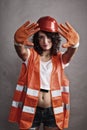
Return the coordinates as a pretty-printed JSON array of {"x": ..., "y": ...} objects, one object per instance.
[{"x": 42, "y": 35}]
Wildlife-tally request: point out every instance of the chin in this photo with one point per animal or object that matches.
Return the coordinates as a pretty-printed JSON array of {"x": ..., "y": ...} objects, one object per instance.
[{"x": 45, "y": 49}]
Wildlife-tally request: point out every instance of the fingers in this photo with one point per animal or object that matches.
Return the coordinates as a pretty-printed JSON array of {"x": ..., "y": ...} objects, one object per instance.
[
  {"x": 36, "y": 30},
  {"x": 29, "y": 33},
  {"x": 65, "y": 30},
  {"x": 31, "y": 29},
  {"x": 69, "y": 26},
  {"x": 64, "y": 27},
  {"x": 66, "y": 45},
  {"x": 25, "y": 31},
  {"x": 69, "y": 33},
  {"x": 33, "y": 32},
  {"x": 26, "y": 23},
  {"x": 28, "y": 43},
  {"x": 32, "y": 26},
  {"x": 62, "y": 33}
]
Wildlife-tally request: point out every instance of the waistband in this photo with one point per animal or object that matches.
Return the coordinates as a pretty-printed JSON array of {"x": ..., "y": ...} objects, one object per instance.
[
  {"x": 42, "y": 108},
  {"x": 44, "y": 90}
]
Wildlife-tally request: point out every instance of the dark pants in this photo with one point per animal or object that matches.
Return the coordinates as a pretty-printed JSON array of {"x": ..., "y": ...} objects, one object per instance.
[{"x": 45, "y": 116}]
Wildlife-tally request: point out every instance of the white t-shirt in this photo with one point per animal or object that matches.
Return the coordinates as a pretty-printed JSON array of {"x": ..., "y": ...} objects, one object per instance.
[{"x": 45, "y": 73}]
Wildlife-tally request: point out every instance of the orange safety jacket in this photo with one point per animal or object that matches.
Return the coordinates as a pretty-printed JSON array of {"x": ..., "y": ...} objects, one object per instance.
[{"x": 26, "y": 95}]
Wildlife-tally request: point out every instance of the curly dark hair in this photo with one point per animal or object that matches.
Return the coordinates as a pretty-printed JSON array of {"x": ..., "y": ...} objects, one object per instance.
[{"x": 55, "y": 38}]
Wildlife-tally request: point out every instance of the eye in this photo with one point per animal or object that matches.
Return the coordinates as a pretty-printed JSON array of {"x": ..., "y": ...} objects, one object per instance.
[
  {"x": 41, "y": 37},
  {"x": 48, "y": 37}
]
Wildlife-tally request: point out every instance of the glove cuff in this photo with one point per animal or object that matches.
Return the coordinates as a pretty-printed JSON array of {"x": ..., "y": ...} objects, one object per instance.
[
  {"x": 18, "y": 44},
  {"x": 75, "y": 46}
]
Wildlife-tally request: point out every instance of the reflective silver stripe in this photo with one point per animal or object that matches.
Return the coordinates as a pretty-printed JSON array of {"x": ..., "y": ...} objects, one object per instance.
[
  {"x": 19, "y": 88},
  {"x": 58, "y": 110},
  {"x": 34, "y": 128},
  {"x": 29, "y": 109},
  {"x": 56, "y": 93},
  {"x": 65, "y": 89},
  {"x": 29, "y": 91},
  {"x": 17, "y": 104},
  {"x": 66, "y": 106},
  {"x": 32, "y": 92}
]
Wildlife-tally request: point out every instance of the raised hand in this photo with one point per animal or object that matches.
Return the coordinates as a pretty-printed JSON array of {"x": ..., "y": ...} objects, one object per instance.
[
  {"x": 24, "y": 32},
  {"x": 69, "y": 33}
]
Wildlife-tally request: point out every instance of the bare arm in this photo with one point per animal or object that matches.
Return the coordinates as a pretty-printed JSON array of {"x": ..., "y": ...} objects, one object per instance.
[
  {"x": 72, "y": 38},
  {"x": 22, "y": 52},
  {"x": 68, "y": 55}
]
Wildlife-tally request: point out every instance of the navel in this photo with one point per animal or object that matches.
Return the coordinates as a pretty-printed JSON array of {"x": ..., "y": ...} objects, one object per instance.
[{"x": 43, "y": 96}]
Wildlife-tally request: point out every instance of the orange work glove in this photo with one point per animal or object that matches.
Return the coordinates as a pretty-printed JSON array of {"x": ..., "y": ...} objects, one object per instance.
[
  {"x": 24, "y": 32},
  {"x": 69, "y": 33}
]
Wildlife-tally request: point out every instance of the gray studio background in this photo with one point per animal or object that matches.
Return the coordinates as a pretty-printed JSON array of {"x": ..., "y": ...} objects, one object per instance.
[{"x": 14, "y": 13}]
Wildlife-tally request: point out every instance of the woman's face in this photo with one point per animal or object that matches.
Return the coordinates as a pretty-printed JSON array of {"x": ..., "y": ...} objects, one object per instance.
[{"x": 44, "y": 41}]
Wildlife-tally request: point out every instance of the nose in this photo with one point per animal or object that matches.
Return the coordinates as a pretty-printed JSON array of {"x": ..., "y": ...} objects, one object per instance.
[{"x": 45, "y": 40}]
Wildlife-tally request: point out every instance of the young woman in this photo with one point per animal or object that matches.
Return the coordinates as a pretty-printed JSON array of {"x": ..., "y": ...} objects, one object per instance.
[{"x": 42, "y": 92}]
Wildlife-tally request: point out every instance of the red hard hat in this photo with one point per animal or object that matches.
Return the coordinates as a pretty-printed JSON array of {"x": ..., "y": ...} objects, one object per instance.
[{"x": 48, "y": 24}]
